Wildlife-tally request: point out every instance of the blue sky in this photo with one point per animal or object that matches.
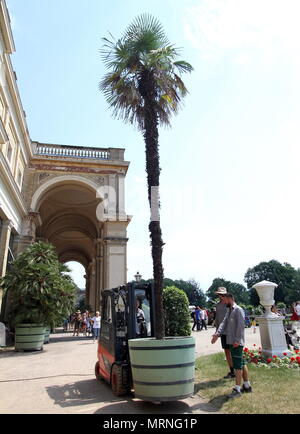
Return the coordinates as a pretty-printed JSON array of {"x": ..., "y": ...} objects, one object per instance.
[{"x": 230, "y": 163}]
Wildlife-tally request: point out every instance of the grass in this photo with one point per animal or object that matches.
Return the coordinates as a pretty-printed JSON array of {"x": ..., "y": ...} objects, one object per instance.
[{"x": 275, "y": 391}]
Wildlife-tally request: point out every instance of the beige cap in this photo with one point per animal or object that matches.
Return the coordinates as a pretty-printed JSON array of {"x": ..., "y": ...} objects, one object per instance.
[{"x": 221, "y": 290}]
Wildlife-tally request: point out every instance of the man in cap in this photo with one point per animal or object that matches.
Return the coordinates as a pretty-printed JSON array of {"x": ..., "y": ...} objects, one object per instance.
[
  {"x": 234, "y": 324},
  {"x": 221, "y": 310}
]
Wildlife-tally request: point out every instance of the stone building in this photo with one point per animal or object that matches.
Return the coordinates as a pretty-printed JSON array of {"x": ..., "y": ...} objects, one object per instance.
[{"x": 71, "y": 196}]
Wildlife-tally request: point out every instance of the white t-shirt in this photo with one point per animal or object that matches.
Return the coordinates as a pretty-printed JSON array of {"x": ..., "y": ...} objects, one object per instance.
[
  {"x": 96, "y": 322},
  {"x": 139, "y": 314},
  {"x": 297, "y": 309},
  {"x": 203, "y": 314}
]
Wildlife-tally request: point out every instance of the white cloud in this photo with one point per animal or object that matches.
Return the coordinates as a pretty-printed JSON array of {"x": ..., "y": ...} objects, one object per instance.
[{"x": 268, "y": 28}]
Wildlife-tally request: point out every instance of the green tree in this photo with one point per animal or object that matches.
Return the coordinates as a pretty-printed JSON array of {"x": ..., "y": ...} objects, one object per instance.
[
  {"x": 39, "y": 290},
  {"x": 284, "y": 275},
  {"x": 239, "y": 291},
  {"x": 177, "y": 314},
  {"x": 144, "y": 87},
  {"x": 192, "y": 289}
]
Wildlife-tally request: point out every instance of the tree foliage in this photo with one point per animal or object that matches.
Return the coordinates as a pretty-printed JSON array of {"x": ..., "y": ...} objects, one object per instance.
[
  {"x": 38, "y": 289},
  {"x": 192, "y": 289},
  {"x": 239, "y": 291},
  {"x": 176, "y": 310},
  {"x": 284, "y": 275}
]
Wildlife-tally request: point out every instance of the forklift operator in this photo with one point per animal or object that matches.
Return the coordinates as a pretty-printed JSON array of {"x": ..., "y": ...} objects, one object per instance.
[{"x": 140, "y": 318}]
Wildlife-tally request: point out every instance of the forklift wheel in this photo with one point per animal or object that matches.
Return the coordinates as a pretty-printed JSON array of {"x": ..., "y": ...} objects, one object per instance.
[
  {"x": 117, "y": 386},
  {"x": 97, "y": 374}
]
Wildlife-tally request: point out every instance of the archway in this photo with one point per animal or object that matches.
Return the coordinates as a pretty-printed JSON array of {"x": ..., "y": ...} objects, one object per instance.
[
  {"x": 67, "y": 219},
  {"x": 78, "y": 275}
]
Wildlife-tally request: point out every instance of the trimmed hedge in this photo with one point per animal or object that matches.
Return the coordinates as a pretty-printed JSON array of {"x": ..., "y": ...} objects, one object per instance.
[{"x": 177, "y": 314}]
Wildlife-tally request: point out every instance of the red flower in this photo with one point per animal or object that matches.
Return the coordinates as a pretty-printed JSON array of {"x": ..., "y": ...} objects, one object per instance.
[
  {"x": 285, "y": 354},
  {"x": 246, "y": 350},
  {"x": 274, "y": 357},
  {"x": 296, "y": 351},
  {"x": 254, "y": 345},
  {"x": 292, "y": 359},
  {"x": 269, "y": 360}
]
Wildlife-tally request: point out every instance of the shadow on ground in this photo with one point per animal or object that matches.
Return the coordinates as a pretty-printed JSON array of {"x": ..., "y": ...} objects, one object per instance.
[
  {"x": 90, "y": 391},
  {"x": 218, "y": 401},
  {"x": 68, "y": 338}
]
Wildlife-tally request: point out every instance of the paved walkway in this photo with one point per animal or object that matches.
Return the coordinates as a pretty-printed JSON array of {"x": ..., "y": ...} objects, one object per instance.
[{"x": 60, "y": 379}]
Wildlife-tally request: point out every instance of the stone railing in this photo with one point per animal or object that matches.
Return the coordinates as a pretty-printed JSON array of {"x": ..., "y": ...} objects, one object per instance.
[
  {"x": 71, "y": 151},
  {"x": 82, "y": 152}
]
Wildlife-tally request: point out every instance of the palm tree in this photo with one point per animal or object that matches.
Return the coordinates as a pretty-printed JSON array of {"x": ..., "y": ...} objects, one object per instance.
[{"x": 143, "y": 87}]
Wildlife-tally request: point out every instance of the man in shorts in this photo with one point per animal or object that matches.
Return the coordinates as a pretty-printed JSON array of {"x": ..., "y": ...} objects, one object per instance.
[
  {"x": 234, "y": 326},
  {"x": 221, "y": 310}
]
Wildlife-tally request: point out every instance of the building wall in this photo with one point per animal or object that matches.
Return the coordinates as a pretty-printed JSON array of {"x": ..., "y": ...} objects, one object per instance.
[{"x": 15, "y": 148}]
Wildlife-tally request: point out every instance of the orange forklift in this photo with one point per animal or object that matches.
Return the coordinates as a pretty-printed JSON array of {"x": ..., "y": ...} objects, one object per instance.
[{"x": 127, "y": 312}]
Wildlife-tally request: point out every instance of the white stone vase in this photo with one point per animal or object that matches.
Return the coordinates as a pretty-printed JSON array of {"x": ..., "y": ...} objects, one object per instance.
[{"x": 265, "y": 291}]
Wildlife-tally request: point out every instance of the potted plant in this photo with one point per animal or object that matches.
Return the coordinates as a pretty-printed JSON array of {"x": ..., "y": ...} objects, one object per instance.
[
  {"x": 144, "y": 87},
  {"x": 40, "y": 294}
]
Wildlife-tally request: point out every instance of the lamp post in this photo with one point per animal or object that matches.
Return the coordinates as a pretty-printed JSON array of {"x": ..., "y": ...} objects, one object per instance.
[
  {"x": 271, "y": 330},
  {"x": 138, "y": 277}
]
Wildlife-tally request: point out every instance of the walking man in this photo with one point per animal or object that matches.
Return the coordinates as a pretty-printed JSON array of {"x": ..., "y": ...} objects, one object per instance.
[
  {"x": 221, "y": 310},
  {"x": 96, "y": 326},
  {"x": 234, "y": 325},
  {"x": 197, "y": 316},
  {"x": 203, "y": 318}
]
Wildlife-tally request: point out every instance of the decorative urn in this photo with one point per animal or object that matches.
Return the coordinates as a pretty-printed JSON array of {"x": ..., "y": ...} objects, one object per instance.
[{"x": 265, "y": 291}]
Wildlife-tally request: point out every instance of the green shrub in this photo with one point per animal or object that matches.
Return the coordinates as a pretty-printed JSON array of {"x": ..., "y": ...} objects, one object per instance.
[
  {"x": 38, "y": 289},
  {"x": 177, "y": 314}
]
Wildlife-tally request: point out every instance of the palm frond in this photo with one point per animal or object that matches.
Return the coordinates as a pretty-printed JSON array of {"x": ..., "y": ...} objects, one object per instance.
[{"x": 143, "y": 47}]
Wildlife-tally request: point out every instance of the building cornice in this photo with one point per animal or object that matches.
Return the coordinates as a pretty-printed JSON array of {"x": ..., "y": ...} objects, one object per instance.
[
  {"x": 11, "y": 79},
  {"x": 6, "y": 28}
]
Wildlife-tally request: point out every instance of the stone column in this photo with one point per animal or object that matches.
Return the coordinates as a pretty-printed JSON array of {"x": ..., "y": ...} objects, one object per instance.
[
  {"x": 98, "y": 272},
  {"x": 115, "y": 254},
  {"x": 92, "y": 284},
  {"x": 28, "y": 235},
  {"x": 122, "y": 216},
  {"x": 4, "y": 244},
  {"x": 272, "y": 335}
]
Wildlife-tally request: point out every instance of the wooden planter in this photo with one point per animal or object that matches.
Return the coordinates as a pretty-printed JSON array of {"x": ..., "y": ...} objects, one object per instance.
[
  {"x": 163, "y": 370},
  {"x": 29, "y": 337}
]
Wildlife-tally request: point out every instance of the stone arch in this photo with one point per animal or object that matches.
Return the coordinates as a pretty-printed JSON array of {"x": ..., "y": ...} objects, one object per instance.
[{"x": 42, "y": 189}]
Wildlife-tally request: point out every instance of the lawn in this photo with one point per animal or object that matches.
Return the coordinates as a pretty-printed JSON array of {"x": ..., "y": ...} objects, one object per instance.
[{"x": 275, "y": 390}]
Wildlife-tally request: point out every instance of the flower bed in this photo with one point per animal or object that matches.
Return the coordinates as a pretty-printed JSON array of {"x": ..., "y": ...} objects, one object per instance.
[{"x": 255, "y": 356}]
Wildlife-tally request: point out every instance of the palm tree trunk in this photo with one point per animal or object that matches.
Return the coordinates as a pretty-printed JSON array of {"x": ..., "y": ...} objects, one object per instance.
[{"x": 147, "y": 89}]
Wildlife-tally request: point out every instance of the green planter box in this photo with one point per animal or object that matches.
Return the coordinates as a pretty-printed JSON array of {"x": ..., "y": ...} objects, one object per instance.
[
  {"x": 163, "y": 370},
  {"x": 29, "y": 337},
  {"x": 47, "y": 335}
]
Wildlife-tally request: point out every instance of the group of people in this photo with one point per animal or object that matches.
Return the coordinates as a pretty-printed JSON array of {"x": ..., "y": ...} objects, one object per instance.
[
  {"x": 86, "y": 323},
  {"x": 200, "y": 317}
]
